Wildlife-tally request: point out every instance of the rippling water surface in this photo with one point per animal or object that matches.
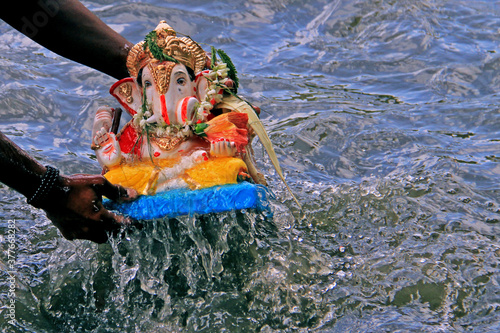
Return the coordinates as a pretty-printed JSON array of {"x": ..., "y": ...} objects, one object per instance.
[{"x": 385, "y": 116}]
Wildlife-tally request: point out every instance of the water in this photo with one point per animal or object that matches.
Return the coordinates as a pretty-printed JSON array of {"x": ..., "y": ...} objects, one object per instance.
[{"x": 385, "y": 116}]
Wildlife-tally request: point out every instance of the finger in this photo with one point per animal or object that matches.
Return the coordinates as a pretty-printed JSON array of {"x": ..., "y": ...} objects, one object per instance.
[
  {"x": 79, "y": 179},
  {"x": 256, "y": 108},
  {"x": 112, "y": 221},
  {"x": 117, "y": 192},
  {"x": 108, "y": 223},
  {"x": 76, "y": 228},
  {"x": 223, "y": 146},
  {"x": 212, "y": 148},
  {"x": 95, "y": 234}
]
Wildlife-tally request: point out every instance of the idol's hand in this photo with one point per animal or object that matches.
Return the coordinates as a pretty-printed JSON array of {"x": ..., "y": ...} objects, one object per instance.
[
  {"x": 107, "y": 148},
  {"x": 223, "y": 147}
]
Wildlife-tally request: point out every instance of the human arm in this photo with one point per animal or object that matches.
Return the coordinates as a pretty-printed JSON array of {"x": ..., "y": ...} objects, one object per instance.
[
  {"x": 73, "y": 204},
  {"x": 69, "y": 29}
]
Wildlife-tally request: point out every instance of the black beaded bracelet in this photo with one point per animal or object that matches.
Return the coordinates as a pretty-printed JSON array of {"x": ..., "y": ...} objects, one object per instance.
[{"x": 48, "y": 181}]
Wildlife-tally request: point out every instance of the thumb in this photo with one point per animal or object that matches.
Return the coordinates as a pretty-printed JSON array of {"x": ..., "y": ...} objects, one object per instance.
[{"x": 118, "y": 192}]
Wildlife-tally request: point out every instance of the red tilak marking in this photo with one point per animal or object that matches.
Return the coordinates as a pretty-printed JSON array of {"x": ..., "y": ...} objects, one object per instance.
[
  {"x": 184, "y": 109},
  {"x": 164, "y": 112}
]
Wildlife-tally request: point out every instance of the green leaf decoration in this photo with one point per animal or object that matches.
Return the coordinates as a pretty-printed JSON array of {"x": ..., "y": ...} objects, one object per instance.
[
  {"x": 214, "y": 56},
  {"x": 199, "y": 129},
  {"x": 233, "y": 74},
  {"x": 144, "y": 100},
  {"x": 155, "y": 50}
]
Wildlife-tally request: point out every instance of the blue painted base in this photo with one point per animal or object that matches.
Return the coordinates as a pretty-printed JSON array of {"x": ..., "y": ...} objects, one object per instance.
[{"x": 184, "y": 202}]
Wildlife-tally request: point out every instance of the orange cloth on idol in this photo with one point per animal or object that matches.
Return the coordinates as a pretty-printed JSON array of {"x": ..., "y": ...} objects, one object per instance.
[{"x": 231, "y": 126}]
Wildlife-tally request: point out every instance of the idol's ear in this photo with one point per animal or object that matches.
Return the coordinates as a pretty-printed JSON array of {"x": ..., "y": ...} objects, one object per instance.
[
  {"x": 128, "y": 93},
  {"x": 201, "y": 84}
]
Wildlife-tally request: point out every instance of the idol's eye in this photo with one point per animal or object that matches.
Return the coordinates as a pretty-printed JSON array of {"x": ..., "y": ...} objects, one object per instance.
[
  {"x": 147, "y": 84},
  {"x": 181, "y": 81}
]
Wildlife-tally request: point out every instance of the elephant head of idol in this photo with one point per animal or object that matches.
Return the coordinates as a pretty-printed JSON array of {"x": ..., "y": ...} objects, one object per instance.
[{"x": 165, "y": 86}]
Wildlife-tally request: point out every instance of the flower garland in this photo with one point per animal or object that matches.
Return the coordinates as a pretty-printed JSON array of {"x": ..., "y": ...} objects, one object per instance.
[
  {"x": 217, "y": 78},
  {"x": 161, "y": 130},
  {"x": 222, "y": 77}
]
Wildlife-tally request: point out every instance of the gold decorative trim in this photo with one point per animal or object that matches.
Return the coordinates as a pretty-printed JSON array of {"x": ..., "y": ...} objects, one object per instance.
[
  {"x": 183, "y": 49},
  {"x": 167, "y": 143},
  {"x": 136, "y": 59},
  {"x": 161, "y": 74},
  {"x": 125, "y": 90}
]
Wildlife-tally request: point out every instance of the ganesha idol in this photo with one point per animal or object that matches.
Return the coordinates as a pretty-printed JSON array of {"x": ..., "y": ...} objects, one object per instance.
[{"x": 187, "y": 130}]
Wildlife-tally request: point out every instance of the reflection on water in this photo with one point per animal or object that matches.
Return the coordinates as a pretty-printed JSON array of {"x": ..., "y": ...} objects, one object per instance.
[{"x": 385, "y": 118}]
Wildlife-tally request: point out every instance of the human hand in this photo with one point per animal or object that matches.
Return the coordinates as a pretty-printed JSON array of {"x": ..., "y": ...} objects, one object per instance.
[{"x": 76, "y": 209}]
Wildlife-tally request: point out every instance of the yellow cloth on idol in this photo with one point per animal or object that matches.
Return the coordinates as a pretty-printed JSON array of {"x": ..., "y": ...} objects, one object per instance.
[
  {"x": 142, "y": 176},
  {"x": 215, "y": 171}
]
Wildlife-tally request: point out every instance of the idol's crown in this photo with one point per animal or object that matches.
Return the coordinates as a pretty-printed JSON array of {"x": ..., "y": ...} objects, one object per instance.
[{"x": 162, "y": 44}]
